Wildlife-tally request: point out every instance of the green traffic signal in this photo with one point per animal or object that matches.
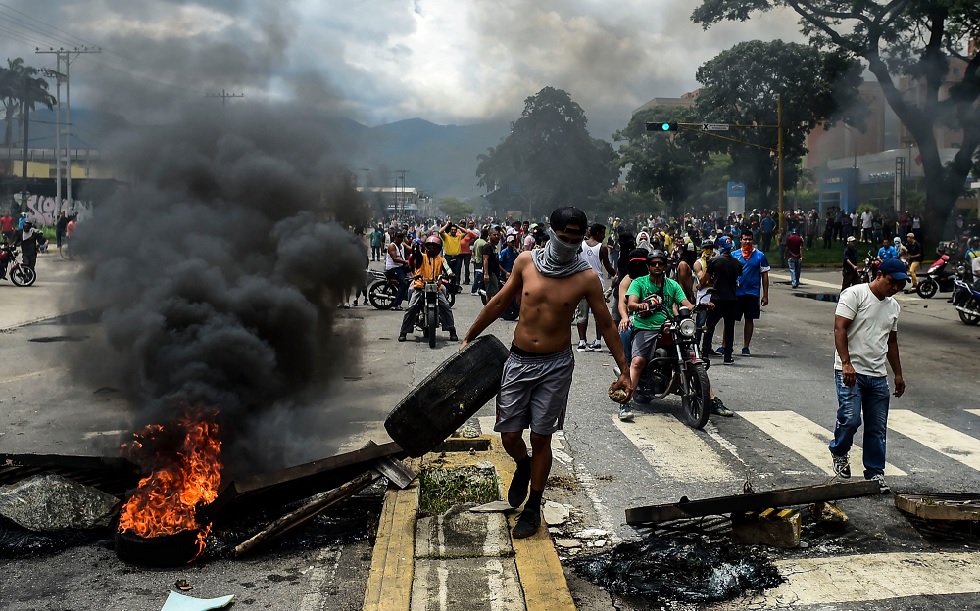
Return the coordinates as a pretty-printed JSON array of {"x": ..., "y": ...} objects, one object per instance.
[{"x": 663, "y": 126}]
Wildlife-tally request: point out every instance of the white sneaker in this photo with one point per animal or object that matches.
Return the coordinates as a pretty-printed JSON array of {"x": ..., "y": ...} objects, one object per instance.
[
  {"x": 626, "y": 413},
  {"x": 582, "y": 346}
]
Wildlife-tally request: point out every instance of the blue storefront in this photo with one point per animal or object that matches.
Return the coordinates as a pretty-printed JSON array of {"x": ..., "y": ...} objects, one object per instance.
[{"x": 838, "y": 188}]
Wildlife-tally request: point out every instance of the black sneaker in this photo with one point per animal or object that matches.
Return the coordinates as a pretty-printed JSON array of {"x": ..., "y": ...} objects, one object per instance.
[
  {"x": 881, "y": 483},
  {"x": 527, "y": 524},
  {"x": 453, "y": 337},
  {"x": 842, "y": 466},
  {"x": 521, "y": 483},
  {"x": 401, "y": 337},
  {"x": 718, "y": 408},
  {"x": 728, "y": 360}
]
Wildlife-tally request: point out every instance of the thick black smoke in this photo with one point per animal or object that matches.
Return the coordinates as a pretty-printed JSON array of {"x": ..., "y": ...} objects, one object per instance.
[{"x": 218, "y": 270}]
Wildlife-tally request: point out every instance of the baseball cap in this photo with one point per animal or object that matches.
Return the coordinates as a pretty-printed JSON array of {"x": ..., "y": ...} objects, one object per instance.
[
  {"x": 894, "y": 268},
  {"x": 910, "y": 235},
  {"x": 852, "y": 239}
]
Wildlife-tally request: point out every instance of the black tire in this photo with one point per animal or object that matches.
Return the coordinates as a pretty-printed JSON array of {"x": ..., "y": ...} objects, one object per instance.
[
  {"x": 381, "y": 295},
  {"x": 448, "y": 396},
  {"x": 927, "y": 288},
  {"x": 451, "y": 298},
  {"x": 697, "y": 401},
  {"x": 22, "y": 275},
  {"x": 969, "y": 318},
  {"x": 165, "y": 551},
  {"x": 430, "y": 325}
]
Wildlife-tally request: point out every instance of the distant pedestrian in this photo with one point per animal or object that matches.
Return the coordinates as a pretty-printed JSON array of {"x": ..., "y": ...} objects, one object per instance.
[
  {"x": 377, "y": 243},
  {"x": 753, "y": 287},
  {"x": 865, "y": 337},
  {"x": 794, "y": 256},
  {"x": 7, "y": 226},
  {"x": 914, "y": 249},
  {"x": 724, "y": 271}
]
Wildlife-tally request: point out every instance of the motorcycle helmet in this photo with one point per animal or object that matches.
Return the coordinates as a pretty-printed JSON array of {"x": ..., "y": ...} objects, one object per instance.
[
  {"x": 657, "y": 254},
  {"x": 433, "y": 239},
  {"x": 707, "y": 244}
]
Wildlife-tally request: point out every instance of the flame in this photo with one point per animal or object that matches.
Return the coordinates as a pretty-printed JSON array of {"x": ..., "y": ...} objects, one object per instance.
[{"x": 186, "y": 472}]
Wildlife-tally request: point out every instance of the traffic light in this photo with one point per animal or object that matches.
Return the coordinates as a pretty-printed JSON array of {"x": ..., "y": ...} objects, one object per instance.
[{"x": 661, "y": 126}]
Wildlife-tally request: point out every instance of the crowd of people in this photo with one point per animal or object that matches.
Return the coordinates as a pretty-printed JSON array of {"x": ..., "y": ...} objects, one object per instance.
[{"x": 556, "y": 275}]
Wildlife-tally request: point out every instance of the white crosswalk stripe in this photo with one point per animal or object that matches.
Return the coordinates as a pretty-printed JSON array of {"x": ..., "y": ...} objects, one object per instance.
[
  {"x": 939, "y": 437},
  {"x": 808, "y": 439},
  {"x": 674, "y": 450}
]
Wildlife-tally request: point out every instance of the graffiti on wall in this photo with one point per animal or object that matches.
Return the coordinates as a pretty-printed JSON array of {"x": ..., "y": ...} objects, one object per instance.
[{"x": 44, "y": 210}]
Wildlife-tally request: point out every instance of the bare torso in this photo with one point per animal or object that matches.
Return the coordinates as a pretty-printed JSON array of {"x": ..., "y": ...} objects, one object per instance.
[{"x": 547, "y": 305}]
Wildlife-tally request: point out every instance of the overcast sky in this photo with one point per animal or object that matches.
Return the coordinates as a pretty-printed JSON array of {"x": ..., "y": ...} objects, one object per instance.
[{"x": 377, "y": 61}]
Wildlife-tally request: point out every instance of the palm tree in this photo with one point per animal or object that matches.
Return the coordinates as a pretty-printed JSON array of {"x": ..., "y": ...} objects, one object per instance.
[{"x": 20, "y": 87}]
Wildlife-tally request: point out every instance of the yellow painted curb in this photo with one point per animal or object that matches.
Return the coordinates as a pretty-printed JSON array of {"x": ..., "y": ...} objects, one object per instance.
[
  {"x": 389, "y": 585},
  {"x": 538, "y": 567}
]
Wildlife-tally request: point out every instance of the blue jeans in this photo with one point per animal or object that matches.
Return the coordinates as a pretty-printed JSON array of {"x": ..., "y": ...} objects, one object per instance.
[
  {"x": 870, "y": 395},
  {"x": 627, "y": 338},
  {"x": 398, "y": 273},
  {"x": 795, "y": 267},
  {"x": 477, "y": 279}
]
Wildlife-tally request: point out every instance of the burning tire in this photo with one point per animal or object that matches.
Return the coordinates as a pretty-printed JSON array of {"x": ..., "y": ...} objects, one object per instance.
[
  {"x": 448, "y": 396},
  {"x": 164, "y": 551}
]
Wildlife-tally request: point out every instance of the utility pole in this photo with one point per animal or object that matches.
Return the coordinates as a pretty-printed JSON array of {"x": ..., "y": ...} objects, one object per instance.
[
  {"x": 779, "y": 154},
  {"x": 224, "y": 96},
  {"x": 402, "y": 174},
  {"x": 66, "y": 56}
]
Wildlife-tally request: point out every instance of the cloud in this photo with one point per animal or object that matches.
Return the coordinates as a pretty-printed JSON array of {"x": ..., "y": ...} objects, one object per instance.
[{"x": 385, "y": 60}]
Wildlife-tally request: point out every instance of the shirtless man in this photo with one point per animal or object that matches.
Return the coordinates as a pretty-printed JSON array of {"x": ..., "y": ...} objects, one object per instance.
[{"x": 538, "y": 374}]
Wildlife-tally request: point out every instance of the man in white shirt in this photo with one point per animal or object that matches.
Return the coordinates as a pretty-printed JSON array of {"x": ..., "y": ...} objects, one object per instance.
[{"x": 866, "y": 335}]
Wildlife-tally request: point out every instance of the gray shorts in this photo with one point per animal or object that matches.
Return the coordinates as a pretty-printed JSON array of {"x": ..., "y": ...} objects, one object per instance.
[
  {"x": 643, "y": 342},
  {"x": 581, "y": 315},
  {"x": 534, "y": 392}
]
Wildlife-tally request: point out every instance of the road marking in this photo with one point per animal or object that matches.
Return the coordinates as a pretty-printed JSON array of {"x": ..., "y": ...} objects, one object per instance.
[
  {"x": 31, "y": 374},
  {"x": 804, "y": 282},
  {"x": 674, "y": 449},
  {"x": 975, "y": 412},
  {"x": 945, "y": 440},
  {"x": 808, "y": 439},
  {"x": 866, "y": 577},
  {"x": 94, "y": 434}
]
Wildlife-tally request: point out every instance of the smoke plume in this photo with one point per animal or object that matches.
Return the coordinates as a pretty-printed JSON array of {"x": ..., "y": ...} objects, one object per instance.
[{"x": 218, "y": 269}]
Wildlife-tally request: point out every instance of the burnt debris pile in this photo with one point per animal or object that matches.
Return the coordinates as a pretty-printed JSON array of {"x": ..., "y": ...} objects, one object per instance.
[{"x": 682, "y": 569}]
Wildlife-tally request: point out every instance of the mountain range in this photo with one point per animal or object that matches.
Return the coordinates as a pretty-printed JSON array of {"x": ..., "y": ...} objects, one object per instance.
[{"x": 440, "y": 160}]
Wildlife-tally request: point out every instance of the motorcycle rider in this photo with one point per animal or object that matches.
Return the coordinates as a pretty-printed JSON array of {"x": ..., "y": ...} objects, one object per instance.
[
  {"x": 429, "y": 269},
  {"x": 396, "y": 258},
  {"x": 972, "y": 257},
  {"x": 644, "y": 292}
]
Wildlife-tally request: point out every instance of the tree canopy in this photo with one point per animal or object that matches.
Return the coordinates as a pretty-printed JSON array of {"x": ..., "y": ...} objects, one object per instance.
[
  {"x": 919, "y": 39},
  {"x": 666, "y": 164},
  {"x": 455, "y": 208},
  {"x": 549, "y": 159},
  {"x": 743, "y": 85}
]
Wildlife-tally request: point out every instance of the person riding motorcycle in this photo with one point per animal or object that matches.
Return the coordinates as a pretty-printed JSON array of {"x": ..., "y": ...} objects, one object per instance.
[{"x": 429, "y": 268}]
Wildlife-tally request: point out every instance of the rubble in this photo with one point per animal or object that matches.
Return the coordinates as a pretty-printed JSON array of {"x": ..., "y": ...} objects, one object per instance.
[{"x": 47, "y": 503}]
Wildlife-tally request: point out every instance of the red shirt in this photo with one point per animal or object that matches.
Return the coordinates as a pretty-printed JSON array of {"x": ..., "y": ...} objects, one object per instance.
[
  {"x": 6, "y": 223},
  {"x": 794, "y": 247},
  {"x": 466, "y": 242}
]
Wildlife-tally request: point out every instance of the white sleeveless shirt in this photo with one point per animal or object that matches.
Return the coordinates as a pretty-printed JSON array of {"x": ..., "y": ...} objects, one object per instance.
[
  {"x": 590, "y": 254},
  {"x": 389, "y": 262}
]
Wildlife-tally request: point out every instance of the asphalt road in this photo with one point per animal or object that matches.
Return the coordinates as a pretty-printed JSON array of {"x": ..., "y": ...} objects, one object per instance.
[{"x": 783, "y": 395}]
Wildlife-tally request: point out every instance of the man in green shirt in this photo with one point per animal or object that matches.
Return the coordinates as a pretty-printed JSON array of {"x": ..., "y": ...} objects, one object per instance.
[{"x": 645, "y": 294}]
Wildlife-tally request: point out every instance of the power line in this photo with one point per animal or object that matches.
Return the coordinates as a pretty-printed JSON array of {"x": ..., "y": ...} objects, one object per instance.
[{"x": 79, "y": 40}]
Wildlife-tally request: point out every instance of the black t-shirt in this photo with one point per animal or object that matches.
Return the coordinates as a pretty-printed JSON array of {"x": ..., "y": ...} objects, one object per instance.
[
  {"x": 915, "y": 251},
  {"x": 724, "y": 270},
  {"x": 850, "y": 254},
  {"x": 493, "y": 263}
]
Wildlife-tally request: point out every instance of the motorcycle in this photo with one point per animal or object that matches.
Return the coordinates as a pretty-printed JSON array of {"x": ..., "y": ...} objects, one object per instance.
[
  {"x": 867, "y": 273},
  {"x": 938, "y": 279},
  {"x": 677, "y": 368},
  {"x": 13, "y": 266},
  {"x": 428, "y": 316},
  {"x": 382, "y": 290},
  {"x": 966, "y": 300}
]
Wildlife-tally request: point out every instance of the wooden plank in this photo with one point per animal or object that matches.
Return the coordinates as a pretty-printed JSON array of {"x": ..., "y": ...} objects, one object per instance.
[
  {"x": 940, "y": 507},
  {"x": 652, "y": 514}
]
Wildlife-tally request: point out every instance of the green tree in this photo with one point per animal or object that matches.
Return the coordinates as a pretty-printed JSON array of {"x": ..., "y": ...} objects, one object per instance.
[
  {"x": 549, "y": 159},
  {"x": 710, "y": 192},
  {"x": 743, "y": 85},
  {"x": 666, "y": 164},
  {"x": 455, "y": 208},
  {"x": 912, "y": 38}
]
